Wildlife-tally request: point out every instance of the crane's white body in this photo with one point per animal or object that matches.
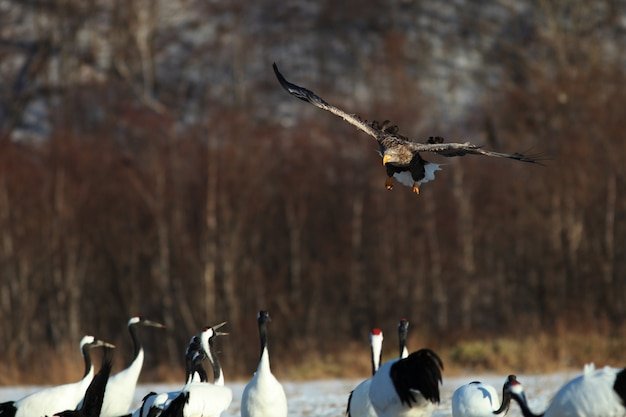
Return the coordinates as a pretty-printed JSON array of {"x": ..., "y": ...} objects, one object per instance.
[
  {"x": 205, "y": 399},
  {"x": 386, "y": 401},
  {"x": 264, "y": 396},
  {"x": 49, "y": 401},
  {"x": 120, "y": 390},
  {"x": 475, "y": 400},
  {"x": 588, "y": 395},
  {"x": 53, "y": 400},
  {"x": 359, "y": 404}
]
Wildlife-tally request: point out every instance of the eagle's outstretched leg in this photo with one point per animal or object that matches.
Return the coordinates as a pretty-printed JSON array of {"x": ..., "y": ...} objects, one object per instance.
[
  {"x": 416, "y": 188},
  {"x": 389, "y": 183}
]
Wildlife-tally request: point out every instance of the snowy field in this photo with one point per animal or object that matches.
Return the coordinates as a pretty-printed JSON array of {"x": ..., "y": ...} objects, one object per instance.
[{"x": 327, "y": 398}]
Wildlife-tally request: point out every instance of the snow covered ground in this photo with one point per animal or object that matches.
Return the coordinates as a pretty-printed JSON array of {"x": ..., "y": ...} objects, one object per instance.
[{"x": 327, "y": 398}]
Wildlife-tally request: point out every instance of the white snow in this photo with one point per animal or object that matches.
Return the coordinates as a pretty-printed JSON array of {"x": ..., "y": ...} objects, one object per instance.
[{"x": 326, "y": 398}]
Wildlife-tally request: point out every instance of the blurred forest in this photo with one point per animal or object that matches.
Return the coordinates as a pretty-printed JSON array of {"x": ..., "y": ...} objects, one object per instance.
[{"x": 150, "y": 163}]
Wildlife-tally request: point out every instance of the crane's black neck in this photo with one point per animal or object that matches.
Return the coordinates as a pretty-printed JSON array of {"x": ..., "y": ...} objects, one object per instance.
[
  {"x": 262, "y": 335},
  {"x": 403, "y": 331},
  {"x": 94, "y": 396},
  {"x": 523, "y": 405},
  {"x": 215, "y": 362},
  {"x": 136, "y": 343},
  {"x": 198, "y": 369},
  {"x": 402, "y": 343},
  {"x": 87, "y": 358}
]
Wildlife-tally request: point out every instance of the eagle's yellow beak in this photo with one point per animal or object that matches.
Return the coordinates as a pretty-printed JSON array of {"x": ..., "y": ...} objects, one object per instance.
[{"x": 386, "y": 159}]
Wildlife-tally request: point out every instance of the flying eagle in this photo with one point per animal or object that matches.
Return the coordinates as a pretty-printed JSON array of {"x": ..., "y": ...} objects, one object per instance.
[{"x": 401, "y": 156}]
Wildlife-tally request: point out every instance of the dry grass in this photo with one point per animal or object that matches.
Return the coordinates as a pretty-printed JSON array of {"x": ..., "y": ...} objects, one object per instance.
[
  {"x": 47, "y": 367},
  {"x": 539, "y": 353}
]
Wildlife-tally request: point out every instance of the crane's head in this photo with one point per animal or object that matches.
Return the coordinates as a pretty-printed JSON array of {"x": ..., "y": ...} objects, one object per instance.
[
  {"x": 207, "y": 336},
  {"x": 512, "y": 389},
  {"x": 88, "y": 342},
  {"x": 142, "y": 321},
  {"x": 264, "y": 316}
]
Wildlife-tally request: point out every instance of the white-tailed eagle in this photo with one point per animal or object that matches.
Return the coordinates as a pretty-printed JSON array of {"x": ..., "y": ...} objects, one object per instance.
[{"x": 401, "y": 156}]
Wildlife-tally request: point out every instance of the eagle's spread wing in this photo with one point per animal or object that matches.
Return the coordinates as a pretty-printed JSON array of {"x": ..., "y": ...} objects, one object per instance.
[
  {"x": 461, "y": 149},
  {"x": 311, "y": 97}
]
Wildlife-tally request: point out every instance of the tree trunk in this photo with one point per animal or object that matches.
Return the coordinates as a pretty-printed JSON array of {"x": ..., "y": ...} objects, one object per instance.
[
  {"x": 210, "y": 244},
  {"x": 356, "y": 296},
  {"x": 163, "y": 266},
  {"x": 613, "y": 302},
  {"x": 295, "y": 219},
  {"x": 462, "y": 196},
  {"x": 440, "y": 296}
]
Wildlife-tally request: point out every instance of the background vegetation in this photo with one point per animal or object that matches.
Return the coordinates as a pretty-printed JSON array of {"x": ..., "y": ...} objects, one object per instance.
[{"x": 150, "y": 163}]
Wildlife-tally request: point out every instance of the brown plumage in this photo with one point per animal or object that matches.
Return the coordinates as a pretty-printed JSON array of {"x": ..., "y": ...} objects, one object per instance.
[{"x": 401, "y": 156}]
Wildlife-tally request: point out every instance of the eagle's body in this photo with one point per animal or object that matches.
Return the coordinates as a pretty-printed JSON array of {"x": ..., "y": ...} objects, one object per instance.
[{"x": 401, "y": 156}]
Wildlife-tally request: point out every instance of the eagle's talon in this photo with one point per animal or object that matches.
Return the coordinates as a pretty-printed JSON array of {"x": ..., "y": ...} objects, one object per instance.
[
  {"x": 389, "y": 183},
  {"x": 416, "y": 188}
]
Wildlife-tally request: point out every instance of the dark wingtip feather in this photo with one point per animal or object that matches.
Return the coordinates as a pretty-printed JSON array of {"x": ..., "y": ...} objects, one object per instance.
[
  {"x": 94, "y": 396},
  {"x": 297, "y": 91},
  {"x": 289, "y": 87},
  {"x": 280, "y": 77},
  {"x": 177, "y": 406},
  {"x": 7, "y": 409},
  {"x": 620, "y": 385},
  {"x": 420, "y": 371},
  {"x": 532, "y": 157}
]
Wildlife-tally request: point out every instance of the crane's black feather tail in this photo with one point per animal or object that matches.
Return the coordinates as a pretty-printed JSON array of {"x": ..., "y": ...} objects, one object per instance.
[{"x": 420, "y": 371}]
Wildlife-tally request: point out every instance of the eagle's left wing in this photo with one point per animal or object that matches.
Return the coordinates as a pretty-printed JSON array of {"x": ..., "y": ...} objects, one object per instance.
[
  {"x": 461, "y": 149},
  {"x": 310, "y": 97}
]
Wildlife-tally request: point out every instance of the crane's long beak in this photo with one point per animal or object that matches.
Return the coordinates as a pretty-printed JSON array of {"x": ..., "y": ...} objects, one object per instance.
[
  {"x": 103, "y": 344},
  {"x": 217, "y": 326},
  {"x": 153, "y": 324}
]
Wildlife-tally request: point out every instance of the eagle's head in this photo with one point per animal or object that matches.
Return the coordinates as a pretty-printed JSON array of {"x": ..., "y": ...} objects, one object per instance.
[{"x": 397, "y": 156}]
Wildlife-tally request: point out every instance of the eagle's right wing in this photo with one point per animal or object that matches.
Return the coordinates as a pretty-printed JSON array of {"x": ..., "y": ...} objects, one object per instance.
[
  {"x": 467, "y": 148},
  {"x": 309, "y": 96}
]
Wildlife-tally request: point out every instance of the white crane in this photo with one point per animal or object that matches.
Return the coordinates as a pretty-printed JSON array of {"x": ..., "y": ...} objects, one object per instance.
[
  {"x": 91, "y": 406},
  {"x": 120, "y": 389},
  {"x": 154, "y": 404},
  {"x": 51, "y": 400},
  {"x": 204, "y": 399},
  {"x": 263, "y": 396},
  {"x": 475, "y": 399},
  {"x": 359, "y": 404},
  {"x": 595, "y": 393},
  {"x": 207, "y": 341},
  {"x": 408, "y": 386}
]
